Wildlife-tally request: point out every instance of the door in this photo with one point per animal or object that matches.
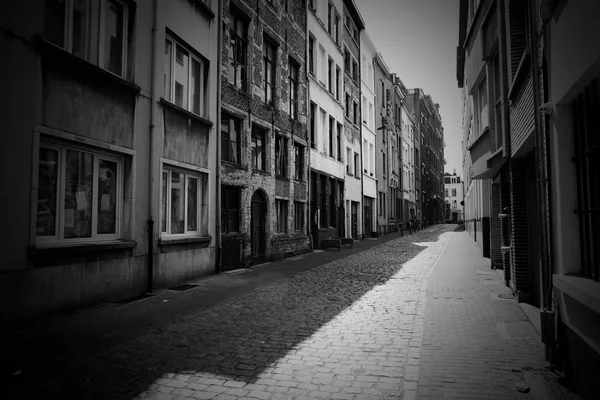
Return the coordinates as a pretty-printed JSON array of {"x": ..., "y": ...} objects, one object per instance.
[
  {"x": 258, "y": 226},
  {"x": 354, "y": 220},
  {"x": 367, "y": 213}
]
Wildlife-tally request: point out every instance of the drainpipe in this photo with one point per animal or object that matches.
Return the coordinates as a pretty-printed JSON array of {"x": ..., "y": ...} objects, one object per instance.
[
  {"x": 218, "y": 247},
  {"x": 362, "y": 155},
  {"x": 152, "y": 144},
  {"x": 540, "y": 159},
  {"x": 308, "y": 138}
]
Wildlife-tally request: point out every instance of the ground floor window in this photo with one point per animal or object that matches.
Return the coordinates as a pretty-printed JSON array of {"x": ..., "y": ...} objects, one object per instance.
[
  {"x": 298, "y": 216},
  {"x": 183, "y": 205},
  {"x": 281, "y": 207},
  {"x": 80, "y": 194}
]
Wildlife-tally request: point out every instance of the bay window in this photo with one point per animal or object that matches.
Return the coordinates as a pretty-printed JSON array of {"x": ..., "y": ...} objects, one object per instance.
[{"x": 80, "y": 195}]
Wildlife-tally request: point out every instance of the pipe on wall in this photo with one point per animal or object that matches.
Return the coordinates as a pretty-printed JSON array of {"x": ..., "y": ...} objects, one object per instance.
[{"x": 218, "y": 247}]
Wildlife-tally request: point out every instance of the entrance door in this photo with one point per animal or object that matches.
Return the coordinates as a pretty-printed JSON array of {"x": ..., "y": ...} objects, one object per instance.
[
  {"x": 368, "y": 210},
  {"x": 354, "y": 220},
  {"x": 258, "y": 225}
]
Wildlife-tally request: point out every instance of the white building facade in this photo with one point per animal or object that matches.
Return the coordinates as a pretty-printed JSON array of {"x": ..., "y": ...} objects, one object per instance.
[
  {"x": 454, "y": 197},
  {"x": 369, "y": 180},
  {"x": 408, "y": 165},
  {"x": 326, "y": 120}
]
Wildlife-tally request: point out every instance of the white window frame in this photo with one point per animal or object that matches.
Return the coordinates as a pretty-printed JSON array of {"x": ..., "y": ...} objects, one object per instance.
[
  {"x": 199, "y": 176},
  {"x": 58, "y": 238},
  {"x": 170, "y": 96}
]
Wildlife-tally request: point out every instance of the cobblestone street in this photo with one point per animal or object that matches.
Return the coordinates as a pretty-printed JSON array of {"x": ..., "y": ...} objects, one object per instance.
[{"x": 417, "y": 316}]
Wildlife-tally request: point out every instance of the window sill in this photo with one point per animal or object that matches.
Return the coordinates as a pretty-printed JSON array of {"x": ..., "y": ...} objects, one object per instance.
[
  {"x": 184, "y": 240},
  {"x": 70, "y": 248},
  {"x": 181, "y": 110},
  {"x": 56, "y": 53},
  {"x": 584, "y": 290}
]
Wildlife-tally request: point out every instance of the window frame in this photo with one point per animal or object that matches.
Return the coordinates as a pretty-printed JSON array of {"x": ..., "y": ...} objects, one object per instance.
[
  {"x": 293, "y": 77},
  {"x": 299, "y": 216},
  {"x": 255, "y": 150},
  {"x": 231, "y": 120},
  {"x": 269, "y": 84},
  {"x": 237, "y": 17},
  {"x": 96, "y": 14},
  {"x": 227, "y": 211},
  {"x": 281, "y": 224},
  {"x": 281, "y": 156},
  {"x": 202, "y": 179},
  {"x": 59, "y": 207},
  {"x": 204, "y": 65},
  {"x": 299, "y": 151}
]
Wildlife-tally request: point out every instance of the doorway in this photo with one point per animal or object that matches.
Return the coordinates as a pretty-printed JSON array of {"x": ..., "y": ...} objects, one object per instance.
[
  {"x": 354, "y": 226},
  {"x": 258, "y": 226}
]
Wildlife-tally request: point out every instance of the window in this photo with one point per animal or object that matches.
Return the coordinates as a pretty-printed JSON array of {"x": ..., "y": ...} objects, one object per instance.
[
  {"x": 338, "y": 82},
  {"x": 355, "y": 114},
  {"x": 230, "y": 139},
  {"x": 356, "y": 165},
  {"x": 281, "y": 208},
  {"x": 230, "y": 209},
  {"x": 182, "y": 202},
  {"x": 80, "y": 195},
  {"x": 339, "y": 142},
  {"x": 453, "y": 203},
  {"x": 311, "y": 54},
  {"x": 453, "y": 192},
  {"x": 372, "y": 157},
  {"x": 312, "y": 5},
  {"x": 354, "y": 70},
  {"x": 269, "y": 65},
  {"x": 68, "y": 24},
  {"x": 330, "y": 18},
  {"x": 323, "y": 72},
  {"x": 298, "y": 216},
  {"x": 349, "y": 168},
  {"x": 383, "y": 163},
  {"x": 238, "y": 31},
  {"x": 347, "y": 108},
  {"x": 298, "y": 162},
  {"x": 586, "y": 143},
  {"x": 281, "y": 156},
  {"x": 313, "y": 126},
  {"x": 382, "y": 95},
  {"x": 258, "y": 148},
  {"x": 330, "y": 75},
  {"x": 347, "y": 61},
  {"x": 481, "y": 108},
  {"x": 185, "y": 78},
  {"x": 331, "y": 127},
  {"x": 336, "y": 23},
  {"x": 293, "y": 89}
]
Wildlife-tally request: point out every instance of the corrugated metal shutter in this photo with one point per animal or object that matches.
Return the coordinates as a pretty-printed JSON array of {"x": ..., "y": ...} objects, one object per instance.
[{"x": 522, "y": 116}]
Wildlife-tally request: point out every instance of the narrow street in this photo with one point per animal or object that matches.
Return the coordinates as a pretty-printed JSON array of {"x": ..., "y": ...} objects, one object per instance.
[{"x": 417, "y": 316}]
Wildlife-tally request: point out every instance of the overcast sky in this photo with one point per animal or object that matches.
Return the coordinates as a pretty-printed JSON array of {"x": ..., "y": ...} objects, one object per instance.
[{"x": 418, "y": 40}]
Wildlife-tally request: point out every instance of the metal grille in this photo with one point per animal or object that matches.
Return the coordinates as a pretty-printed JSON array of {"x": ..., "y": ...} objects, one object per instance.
[{"x": 586, "y": 111}]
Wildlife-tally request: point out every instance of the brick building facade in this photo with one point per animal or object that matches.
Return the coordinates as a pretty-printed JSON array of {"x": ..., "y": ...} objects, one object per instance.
[{"x": 263, "y": 132}]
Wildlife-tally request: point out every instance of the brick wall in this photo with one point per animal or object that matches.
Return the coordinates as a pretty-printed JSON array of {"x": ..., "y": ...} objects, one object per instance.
[{"x": 287, "y": 29}]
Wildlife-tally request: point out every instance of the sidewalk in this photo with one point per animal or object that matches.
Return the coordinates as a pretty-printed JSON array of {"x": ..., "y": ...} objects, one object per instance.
[{"x": 477, "y": 342}]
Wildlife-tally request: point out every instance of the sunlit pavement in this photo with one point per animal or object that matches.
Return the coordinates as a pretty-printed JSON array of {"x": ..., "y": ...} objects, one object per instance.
[{"x": 414, "y": 317}]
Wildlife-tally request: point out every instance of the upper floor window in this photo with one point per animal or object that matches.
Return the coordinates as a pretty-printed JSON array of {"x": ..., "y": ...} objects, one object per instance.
[
  {"x": 185, "y": 77},
  {"x": 313, "y": 125},
  {"x": 230, "y": 139},
  {"x": 281, "y": 152},
  {"x": 347, "y": 61},
  {"x": 453, "y": 192},
  {"x": 95, "y": 30},
  {"x": 80, "y": 194},
  {"x": 298, "y": 162},
  {"x": 298, "y": 216},
  {"x": 293, "y": 88},
  {"x": 258, "y": 148},
  {"x": 269, "y": 66},
  {"x": 311, "y": 54},
  {"x": 238, "y": 31},
  {"x": 281, "y": 210}
]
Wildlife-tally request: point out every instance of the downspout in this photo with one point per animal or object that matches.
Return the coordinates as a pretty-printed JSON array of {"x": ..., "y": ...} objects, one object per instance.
[
  {"x": 308, "y": 138},
  {"x": 540, "y": 159},
  {"x": 150, "y": 256},
  {"x": 218, "y": 247},
  {"x": 362, "y": 155}
]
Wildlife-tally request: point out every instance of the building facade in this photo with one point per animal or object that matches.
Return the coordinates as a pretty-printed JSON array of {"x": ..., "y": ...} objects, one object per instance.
[
  {"x": 326, "y": 120},
  {"x": 408, "y": 166},
  {"x": 353, "y": 26},
  {"x": 263, "y": 125},
  {"x": 113, "y": 165},
  {"x": 369, "y": 174},
  {"x": 454, "y": 197}
]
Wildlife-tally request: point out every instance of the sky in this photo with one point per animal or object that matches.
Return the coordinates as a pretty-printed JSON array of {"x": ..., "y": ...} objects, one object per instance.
[{"x": 418, "y": 39}]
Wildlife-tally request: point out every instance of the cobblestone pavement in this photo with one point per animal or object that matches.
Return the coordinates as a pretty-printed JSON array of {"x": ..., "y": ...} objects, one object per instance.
[
  {"x": 404, "y": 319},
  {"x": 476, "y": 344}
]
